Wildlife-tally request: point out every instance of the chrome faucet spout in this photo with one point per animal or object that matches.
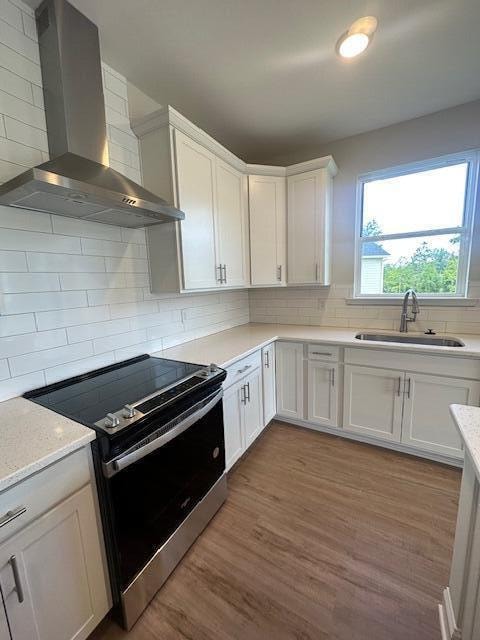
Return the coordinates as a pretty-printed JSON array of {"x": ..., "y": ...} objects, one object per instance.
[{"x": 405, "y": 318}]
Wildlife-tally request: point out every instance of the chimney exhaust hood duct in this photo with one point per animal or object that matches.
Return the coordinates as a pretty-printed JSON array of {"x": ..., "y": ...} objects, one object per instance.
[{"x": 76, "y": 183}]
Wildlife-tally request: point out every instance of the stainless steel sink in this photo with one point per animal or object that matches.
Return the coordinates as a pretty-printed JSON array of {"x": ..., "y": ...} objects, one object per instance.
[{"x": 438, "y": 342}]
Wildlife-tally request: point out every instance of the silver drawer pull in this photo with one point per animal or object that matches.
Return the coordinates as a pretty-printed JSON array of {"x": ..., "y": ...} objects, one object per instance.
[
  {"x": 320, "y": 353},
  {"x": 11, "y": 515},
  {"x": 245, "y": 368},
  {"x": 16, "y": 578}
]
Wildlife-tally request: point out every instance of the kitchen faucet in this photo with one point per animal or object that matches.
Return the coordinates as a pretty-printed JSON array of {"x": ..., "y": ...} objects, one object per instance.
[{"x": 405, "y": 318}]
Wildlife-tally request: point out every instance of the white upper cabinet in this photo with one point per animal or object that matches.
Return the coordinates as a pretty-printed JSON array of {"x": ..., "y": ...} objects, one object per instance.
[
  {"x": 309, "y": 234},
  {"x": 268, "y": 225},
  {"x": 231, "y": 223},
  {"x": 196, "y": 196},
  {"x": 209, "y": 249}
]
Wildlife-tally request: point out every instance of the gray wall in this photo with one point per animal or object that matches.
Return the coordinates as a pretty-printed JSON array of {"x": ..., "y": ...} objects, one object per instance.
[{"x": 440, "y": 133}]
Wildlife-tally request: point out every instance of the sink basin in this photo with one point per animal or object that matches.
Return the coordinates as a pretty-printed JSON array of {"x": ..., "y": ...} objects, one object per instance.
[{"x": 406, "y": 339}]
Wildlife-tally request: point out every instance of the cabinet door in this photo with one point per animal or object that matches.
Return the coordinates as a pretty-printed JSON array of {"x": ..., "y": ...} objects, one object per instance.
[
  {"x": 309, "y": 228},
  {"x": 57, "y": 563},
  {"x": 233, "y": 424},
  {"x": 268, "y": 212},
  {"x": 427, "y": 423},
  {"x": 4, "y": 631},
  {"x": 289, "y": 374},
  {"x": 196, "y": 187},
  {"x": 269, "y": 394},
  {"x": 323, "y": 393},
  {"x": 373, "y": 401},
  {"x": 253, "y": 406},
  {"x": 231, "y": 224}
]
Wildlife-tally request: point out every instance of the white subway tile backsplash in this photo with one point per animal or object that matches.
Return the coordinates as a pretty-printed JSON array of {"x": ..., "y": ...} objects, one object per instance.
[
  {"x": 85, "y": 229},
  {"x": 16, "y": 386},
  {"x": 76, "y": 368},
  {"x": 29, "y": 26},
  {"x": 15, "y": 85},
  {"x": 11, "y": 14},
  {"x": 28, "y": 282},
  {"x": 50, "y": 301},
  {"x": 13, "y": 261},
  {"x": 154, "y": 319},
  {"x": 113, "y": 296},
  {"x": 115, "y": 84},
  {"x": 131, "y": 265},
  {"x": 94, "y": 247},
  {"x": 31, "y": 342},
  {"x": 97, "y": 330},
  {"x": 20, "y": 65},
  {"x": 162, "y": 330},
  {"x": 71, "y": 317},
  {"x": 38, "y": 99},
  {"x": 59, "y": 263},
  {"x": 23, "y": 219},
  {"x": 132, "y": 309},
  {"x": 9, "y": 170},
  {"x": 17, "y": 153},
  {"x": 18, "y": 109},
  {"x": 77, "y": 281},
  {"x": 137, "y": 236},
  {"x": 18, "y": 41},
  {"x": 20, "y": 365},
  {"x": 19, "y": 240},
  {"x": 26, "y": 134},
  {"x": 15, "y": 325},
  {"x": 110, "y": 343}
]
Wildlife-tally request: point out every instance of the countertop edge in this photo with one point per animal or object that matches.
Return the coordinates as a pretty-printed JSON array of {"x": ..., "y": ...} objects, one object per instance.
[{"x": 467, "y": 421}]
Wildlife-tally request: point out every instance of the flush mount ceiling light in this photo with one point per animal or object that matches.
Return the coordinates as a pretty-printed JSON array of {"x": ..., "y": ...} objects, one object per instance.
[{"x": 354, "y": 41}]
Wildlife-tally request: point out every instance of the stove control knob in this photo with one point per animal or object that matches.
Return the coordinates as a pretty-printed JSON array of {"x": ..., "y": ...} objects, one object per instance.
[
  {"x": 212, "y": 368},
  {"x": 129, "y": 411},
  {"x": 111, "y": 421}
]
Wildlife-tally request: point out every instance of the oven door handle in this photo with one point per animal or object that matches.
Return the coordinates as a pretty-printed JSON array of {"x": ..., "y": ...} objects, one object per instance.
[{"x": 122, "y": 462}]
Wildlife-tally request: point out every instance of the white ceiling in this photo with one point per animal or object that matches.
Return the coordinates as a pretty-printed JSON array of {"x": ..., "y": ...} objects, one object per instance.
[{"x": 262, "y": 76}]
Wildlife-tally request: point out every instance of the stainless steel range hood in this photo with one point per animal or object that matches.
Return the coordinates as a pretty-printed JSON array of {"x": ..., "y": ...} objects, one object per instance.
[{"x": 76, "y": 183}]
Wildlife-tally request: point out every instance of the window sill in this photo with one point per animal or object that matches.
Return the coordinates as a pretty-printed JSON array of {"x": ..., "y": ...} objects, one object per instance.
[{"x": 425, "y": 302}]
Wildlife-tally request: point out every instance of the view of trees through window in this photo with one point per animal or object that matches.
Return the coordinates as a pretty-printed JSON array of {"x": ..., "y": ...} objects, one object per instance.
[{"x": 429, "y": 269}]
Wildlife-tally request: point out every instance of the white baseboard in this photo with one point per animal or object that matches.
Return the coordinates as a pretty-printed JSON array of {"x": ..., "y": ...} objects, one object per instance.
[
  {"x": 395, "y": 446},
  {"x": 448, "y": 625}
]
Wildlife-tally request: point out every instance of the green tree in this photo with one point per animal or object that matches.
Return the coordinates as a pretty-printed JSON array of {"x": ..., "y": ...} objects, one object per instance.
[{"x": 372, "y": 228}]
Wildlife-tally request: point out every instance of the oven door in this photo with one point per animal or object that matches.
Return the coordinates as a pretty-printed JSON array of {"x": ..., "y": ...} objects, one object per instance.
[{"x": 154, "y": 486}]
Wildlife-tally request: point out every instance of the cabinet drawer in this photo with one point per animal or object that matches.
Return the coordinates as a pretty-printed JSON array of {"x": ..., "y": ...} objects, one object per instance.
[
  {"x": 242, "y": 368},
  {"x": 43, "y": 490},
  {"x": 440, "y": 365},
  {"x": 323, "y": 352}
]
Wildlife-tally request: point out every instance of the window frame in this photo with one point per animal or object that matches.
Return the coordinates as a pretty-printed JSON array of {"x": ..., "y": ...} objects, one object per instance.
[{"x": 466, "y": 230}]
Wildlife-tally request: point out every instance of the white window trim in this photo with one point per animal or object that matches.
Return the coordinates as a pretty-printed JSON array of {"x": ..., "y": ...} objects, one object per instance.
[{"x": 472, "y": 157}]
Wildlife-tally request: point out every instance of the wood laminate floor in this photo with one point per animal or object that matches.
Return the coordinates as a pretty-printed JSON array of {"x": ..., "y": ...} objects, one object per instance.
[{"x": 321, "y": 538}]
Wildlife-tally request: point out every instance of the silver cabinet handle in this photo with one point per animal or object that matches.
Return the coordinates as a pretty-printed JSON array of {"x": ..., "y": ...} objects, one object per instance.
[
  {"x": 11, "y": 515},
  {"x": 316, "y": 271},
  {"x": 320, "y": 353},
  {"x": 248, "y": 391},
  {"x": 16, "y": 578},
  {"x": 220, "y": 277},
  {"x": 279, "y": 272},
  {"x": 409, "y": 387},
  {"x": 225, "y": 274},
  {"x": 267, "y": 360},
  {"x": 243, "y": 394},
  {"x": 243, "y": 369},
  {"x": 399, "y": 386},
  {"x": 333, "y": 377}
]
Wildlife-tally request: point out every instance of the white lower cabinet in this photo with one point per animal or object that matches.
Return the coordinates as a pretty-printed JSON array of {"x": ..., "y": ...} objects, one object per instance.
[
  {"x": 427, "y": 423},
  {"x": 289, "y": 369},
  {"x": 52, "y": 576},
  {"x": 4, "y": 631},
  {"x": 323, "y": 393},
  {"x": 242, "y": 415},
  {"x": 372, "y": 403},
  {"x": 269, "y": 391}
]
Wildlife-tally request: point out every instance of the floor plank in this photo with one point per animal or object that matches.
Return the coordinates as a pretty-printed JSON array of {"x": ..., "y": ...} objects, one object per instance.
[{"x": 321, "y": 538}]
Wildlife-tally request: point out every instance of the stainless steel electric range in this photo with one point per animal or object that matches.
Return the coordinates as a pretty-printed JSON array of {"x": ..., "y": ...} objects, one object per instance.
[{"x": 159, "y": 461}]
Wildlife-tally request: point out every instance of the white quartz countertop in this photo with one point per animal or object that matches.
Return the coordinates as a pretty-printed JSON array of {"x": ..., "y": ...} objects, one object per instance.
[
  {"x": 467, "y": 420},
  {"x": 33, "y": 437},
  {"x": 226, "y": 347}
]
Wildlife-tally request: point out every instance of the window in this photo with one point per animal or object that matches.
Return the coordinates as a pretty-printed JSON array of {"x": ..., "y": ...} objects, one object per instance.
[{"x": 414, "y": 227}]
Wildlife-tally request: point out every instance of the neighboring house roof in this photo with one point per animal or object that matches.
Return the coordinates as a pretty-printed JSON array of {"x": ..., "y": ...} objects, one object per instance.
[{"x": 371, "y": 249}]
